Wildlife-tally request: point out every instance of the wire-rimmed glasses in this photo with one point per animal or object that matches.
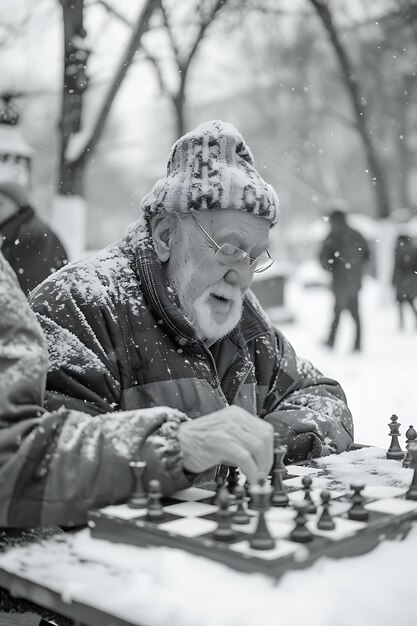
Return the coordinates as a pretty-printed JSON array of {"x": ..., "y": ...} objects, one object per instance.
[{"x": 230, "y": 254}]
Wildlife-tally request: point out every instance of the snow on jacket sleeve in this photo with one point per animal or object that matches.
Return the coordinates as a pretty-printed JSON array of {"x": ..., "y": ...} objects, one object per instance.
[
  {"x": 307, "y": 409},
  {"x": 54, "y": 466}
]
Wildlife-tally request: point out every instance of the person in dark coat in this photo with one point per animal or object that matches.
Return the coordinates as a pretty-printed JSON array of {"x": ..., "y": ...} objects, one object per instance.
[
  {"x": 405, "y": 275},
  {"x": 31, "y": 248},
  {"x": 344, "y": 254}
]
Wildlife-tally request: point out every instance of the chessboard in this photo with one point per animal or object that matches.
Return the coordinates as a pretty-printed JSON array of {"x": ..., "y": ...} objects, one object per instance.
[{"x": 337, "y": 506}]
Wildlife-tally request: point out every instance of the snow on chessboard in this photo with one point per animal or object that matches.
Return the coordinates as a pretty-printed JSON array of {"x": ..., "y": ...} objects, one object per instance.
[{"x": 336, "y": 506}]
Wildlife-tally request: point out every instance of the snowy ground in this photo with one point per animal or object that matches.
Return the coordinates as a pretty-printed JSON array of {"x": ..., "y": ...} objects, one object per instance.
[{"x": 380, "y": 380}]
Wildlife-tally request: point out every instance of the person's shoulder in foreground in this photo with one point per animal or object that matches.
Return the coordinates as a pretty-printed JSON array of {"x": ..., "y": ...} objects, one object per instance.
[
  {"x": 165, "y": 317},
  {"x": 33, "y": 250},
  {"x": 56, "y": 465}
]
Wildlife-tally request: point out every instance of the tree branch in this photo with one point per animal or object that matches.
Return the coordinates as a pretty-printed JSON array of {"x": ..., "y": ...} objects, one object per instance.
[{"x": 136, "y": 36}]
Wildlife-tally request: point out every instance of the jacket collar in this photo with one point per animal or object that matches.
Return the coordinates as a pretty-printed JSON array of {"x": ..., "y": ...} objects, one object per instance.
[
  {"x": 12, "y": 223},
  {"x": 163, "y": 301}
]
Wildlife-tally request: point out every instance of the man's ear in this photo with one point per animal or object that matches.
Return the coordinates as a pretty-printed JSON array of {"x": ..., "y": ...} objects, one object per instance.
[{"x": 163, "y": 230}]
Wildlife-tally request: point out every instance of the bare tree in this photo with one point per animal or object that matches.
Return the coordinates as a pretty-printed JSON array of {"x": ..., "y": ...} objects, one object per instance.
[
  {"x": 358, "y": 105},
  {"x": 201, "y": 17},
  {"x": 75, "y": 83}
]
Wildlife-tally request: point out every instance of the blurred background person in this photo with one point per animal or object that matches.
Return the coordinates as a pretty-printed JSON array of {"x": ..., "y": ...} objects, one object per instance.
[
  {"x": 344, "y": 253},
  {"x": 405, "y": 276},
  {"x": 27, "y": 243}
]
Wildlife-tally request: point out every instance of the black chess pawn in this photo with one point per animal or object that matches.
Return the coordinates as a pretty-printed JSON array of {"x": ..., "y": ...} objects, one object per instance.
[
  {"x": 412, "y": 491},
  {"x": 261, "y": 497},
  {"x": 224, "y": 530},
  {"x": 138, "y": 498},
  {"x": 279, "y": 495},
  {"x": 155, "y": 512},
  {"x": 240, "y": 516},
  {"x": 411, "y": 435},
  {"x": 301, "y": 533},
  {"x": 394, "y": 451},
  {"x": 220, "y": 486},
  {"x": 307, "y": 482},
  {"x": 326, "y": 522},
  {"x": 357, "y": 511}
]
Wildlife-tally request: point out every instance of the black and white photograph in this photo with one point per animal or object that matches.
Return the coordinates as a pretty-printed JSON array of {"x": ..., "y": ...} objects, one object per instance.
[{"x": 208, "y": 312}]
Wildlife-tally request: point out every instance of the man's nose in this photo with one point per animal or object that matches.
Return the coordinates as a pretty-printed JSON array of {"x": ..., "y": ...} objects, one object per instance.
[{"x": 240, "y": 275}]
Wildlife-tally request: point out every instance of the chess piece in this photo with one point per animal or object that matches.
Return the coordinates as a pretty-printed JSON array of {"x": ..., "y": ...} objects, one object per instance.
[
  {"x": 412, "y": 491},
  {"x": 411, "y": 435},
  {"x": 279, "y": 495},
  {"x": 138, "y": 498},
  {"x": 155, "y": 512},
  {"x": 394, "y": 451},
  {"x": 311, "y": 507},
  {"x": 301, "y": 533},
  {"x": 224, "y": 530},
  {"x": 357, "y": 511},
  {"x": 240, "y": 516},
  {"x": 232, "y": 479},
  {"x": 326, "y": 522},
  {"x": 261, "y": 497},
  {"x": 220, "y": 486}
]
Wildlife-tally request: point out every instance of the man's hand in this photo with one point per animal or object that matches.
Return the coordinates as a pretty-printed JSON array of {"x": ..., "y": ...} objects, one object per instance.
[{"x": 231, "y": 436}]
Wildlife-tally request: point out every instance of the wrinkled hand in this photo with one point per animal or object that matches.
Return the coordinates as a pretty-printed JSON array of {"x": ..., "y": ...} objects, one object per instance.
[{"x": 231, "y": 436}]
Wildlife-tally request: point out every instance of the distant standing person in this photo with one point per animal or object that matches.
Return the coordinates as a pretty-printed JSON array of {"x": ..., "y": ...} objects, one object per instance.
[
  {"x": 405, "y": 275},
  {"x": 344, "y": 253},
  {"x": 31, "y": 248}
]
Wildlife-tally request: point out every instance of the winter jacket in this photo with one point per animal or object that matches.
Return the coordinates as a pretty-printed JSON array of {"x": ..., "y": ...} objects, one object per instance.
[
  {"x": 405, "y": 271},
  {"x": 118, "y": 340},
  {"x": 31, "y": 248},
  {"x": 54, "y": 466},
  {"x": 344, "y": 253}
]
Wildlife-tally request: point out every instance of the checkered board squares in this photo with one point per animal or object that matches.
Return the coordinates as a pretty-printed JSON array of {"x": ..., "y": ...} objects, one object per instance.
[
  {"x": 189, "y": 527},
  {"x": 344, "y": 528},
  {"x": 193, "y": 494},
  {"x": 376, "y": 492},
  {"x": 298, "y": 496},
  {"x": 190, "y": 509},
  {"x": 392, "y": 506},
  {"x": 282, "y": 548},
  {"x": 302, "y": 470},
  {"x": 123, "y": 511}
]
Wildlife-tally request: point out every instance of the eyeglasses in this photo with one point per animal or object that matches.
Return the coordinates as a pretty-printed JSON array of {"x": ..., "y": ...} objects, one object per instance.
[{"x": 230, "y": 254}]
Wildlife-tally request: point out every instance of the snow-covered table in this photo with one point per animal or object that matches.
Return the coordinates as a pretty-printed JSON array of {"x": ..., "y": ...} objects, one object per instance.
[{"x": 102, "y": 583}]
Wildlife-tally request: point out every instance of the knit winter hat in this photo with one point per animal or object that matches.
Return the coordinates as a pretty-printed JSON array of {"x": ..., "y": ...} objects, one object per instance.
[
  {"x": 15, "y": 192},
  {"x": 211, "y": 168}
]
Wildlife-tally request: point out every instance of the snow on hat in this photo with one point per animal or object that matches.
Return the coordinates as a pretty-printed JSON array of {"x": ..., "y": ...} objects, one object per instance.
[
  {"x": 211, "y": 168},
  {"x": 15, "y": 192}
]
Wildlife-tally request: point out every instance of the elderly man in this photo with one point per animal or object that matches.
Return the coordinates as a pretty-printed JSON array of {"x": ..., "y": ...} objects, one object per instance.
[{"x": 164, "y": 318}]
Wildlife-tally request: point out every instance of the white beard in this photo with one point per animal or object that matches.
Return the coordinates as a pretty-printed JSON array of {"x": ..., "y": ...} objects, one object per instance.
[
  {"x": 206, "y": 326},
  {"x": 198, "y": 310}
]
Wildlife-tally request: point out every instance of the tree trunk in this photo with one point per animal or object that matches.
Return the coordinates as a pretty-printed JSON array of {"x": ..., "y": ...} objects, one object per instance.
[
  {"x": 376, "y": 172},
  {"x": 70, "y": 179}
]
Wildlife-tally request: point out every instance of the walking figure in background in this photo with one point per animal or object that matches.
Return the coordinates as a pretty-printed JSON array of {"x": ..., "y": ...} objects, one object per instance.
[
  {"x": 344, "y": 254},
  {"x": 31, "y": 248},
  {"x": 405, "y": 275}
]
